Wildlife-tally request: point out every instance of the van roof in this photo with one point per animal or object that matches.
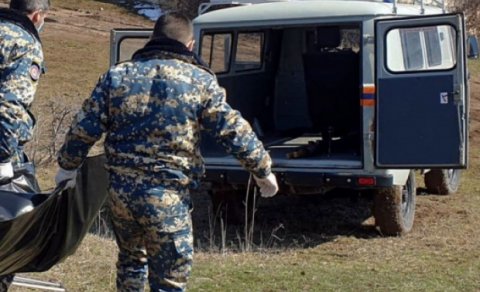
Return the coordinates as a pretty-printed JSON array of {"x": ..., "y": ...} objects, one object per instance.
[{"x": 292, "y": 11}]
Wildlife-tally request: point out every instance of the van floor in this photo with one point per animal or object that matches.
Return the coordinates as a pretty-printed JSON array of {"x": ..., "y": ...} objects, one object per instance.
[{"x": 342, "y": 154}]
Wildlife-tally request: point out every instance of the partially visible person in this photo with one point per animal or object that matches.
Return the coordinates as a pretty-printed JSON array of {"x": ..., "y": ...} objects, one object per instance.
[
  {"x": 21, "y": 65},
  {"x": 152, "y": 110}
]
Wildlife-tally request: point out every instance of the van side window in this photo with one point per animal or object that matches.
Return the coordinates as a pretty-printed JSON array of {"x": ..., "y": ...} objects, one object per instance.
[
  {"x": 215, "y": 50},
  {"x": 249, "y": 51},
  {"x": 426, "y": 48}
]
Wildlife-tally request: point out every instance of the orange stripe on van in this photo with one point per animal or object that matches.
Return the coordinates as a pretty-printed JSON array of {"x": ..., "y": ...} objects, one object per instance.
[
  {"x": 368, "y": 89},
  {"x": 367, "y": 102}
]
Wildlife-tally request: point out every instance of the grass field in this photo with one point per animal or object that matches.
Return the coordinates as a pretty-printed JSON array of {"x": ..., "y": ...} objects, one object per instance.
[
  {"x": 440, "y": 254},
  {"x": 329, "y": 254}
]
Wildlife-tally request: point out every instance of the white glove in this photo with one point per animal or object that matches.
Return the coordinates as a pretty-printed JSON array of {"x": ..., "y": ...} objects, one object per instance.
[
  {"x": 6, "y": 171},
  {"x": 268, "y": 186},
  {"x": 69, "y": 175}
]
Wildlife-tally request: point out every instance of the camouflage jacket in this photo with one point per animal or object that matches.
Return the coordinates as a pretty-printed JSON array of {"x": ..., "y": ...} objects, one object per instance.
[
  {"x": 153, "y": 109},
  {"x": 21, "y": 64}
]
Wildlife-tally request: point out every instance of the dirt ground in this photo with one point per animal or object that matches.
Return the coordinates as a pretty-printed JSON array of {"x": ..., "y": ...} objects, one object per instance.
[{"x": 475, "y": 111}]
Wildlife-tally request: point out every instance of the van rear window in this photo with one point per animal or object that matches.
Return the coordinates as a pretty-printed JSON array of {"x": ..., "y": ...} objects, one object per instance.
[
  {"x": 412, "y": 49},
  {"x": 427, "y": 48},
  {"x": 432, "y": 42}
]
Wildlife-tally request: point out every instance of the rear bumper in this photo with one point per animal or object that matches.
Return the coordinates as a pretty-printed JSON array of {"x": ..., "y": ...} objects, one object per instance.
[{"x": 304, "y": 179}]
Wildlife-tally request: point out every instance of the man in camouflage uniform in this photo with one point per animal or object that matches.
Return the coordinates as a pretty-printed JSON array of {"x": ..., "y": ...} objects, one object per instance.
[
  {"x": 21, "y": 64},
  {"x": 152, "y": 109}
]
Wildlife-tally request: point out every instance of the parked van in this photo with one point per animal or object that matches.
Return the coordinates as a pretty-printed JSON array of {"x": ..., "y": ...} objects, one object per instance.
[{"x": 344, "y": 94}]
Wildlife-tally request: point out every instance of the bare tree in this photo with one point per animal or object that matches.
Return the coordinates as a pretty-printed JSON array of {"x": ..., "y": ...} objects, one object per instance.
[
  {"x": 471, "y": 9},
  {"x": 50, "y": 130}
]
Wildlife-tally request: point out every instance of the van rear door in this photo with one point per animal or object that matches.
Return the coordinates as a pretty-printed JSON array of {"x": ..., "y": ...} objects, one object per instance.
[
  {"x": 125, "y": 42},
  {"x": 421, "y": 91}
]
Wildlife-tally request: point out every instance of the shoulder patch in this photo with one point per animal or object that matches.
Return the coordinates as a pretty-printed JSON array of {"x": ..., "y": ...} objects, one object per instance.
[{"x": 35, "y": 71}]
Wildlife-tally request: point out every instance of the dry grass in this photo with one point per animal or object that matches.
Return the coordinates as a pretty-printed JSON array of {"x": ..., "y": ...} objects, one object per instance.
[
  {"x": 440, "y": 254},
  {"x": 90, "y": 269}
]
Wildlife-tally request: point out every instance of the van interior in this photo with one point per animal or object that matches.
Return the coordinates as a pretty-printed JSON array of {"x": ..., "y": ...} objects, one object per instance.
[{"x": 299, "y": 87}]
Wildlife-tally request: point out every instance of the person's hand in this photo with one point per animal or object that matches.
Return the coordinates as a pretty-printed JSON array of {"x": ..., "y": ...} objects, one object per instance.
[
  {"x": 268, "y": 185},
  {"x": 66, "y": 175},
  {"x": 6, "y": 171}
]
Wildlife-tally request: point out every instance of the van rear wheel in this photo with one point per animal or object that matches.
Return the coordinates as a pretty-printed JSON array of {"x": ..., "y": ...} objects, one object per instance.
[
  {"x": 442, "y": 181},
  {"x": 394, "y": 208}
]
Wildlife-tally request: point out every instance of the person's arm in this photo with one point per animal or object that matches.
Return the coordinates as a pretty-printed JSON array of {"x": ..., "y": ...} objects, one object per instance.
[
  {"x": 87, "y": 128},
  {"x": 17, "y": 89},
  {"x": 14, "y": 123},
  {"x": 233, "y": 132}
]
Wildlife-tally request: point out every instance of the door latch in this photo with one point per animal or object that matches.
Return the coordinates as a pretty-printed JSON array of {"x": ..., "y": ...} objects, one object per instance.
[{"x": 456, "y": 95}]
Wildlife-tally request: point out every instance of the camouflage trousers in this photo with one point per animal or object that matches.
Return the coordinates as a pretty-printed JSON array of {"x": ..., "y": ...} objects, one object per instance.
[
  {"x": 5, "y": 282},
  {"x": 153, "y": 230}
]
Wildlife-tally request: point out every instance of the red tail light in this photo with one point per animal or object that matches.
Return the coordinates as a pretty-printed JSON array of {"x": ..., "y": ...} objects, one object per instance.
[{"x": 366, "y": 181}]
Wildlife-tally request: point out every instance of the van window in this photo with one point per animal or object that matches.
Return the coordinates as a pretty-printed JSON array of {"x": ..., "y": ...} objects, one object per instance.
[
  {"x": 412, "y": 49},
  {"x": 249, "y": 51},
  {"x": 421, "y": 48},
  {"x": 350, "y": 39},
  {"x": 432, "y": 41},
  {"x": 215, "y": 50}
]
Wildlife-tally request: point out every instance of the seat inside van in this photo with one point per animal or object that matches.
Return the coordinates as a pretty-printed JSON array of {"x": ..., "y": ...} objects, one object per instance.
[
  {"x": 306, "y": 95},
  {"x": 332, "y": 84}
]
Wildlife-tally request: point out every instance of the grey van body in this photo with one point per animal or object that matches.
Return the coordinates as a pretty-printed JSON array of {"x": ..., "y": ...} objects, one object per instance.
[{"x": 344, "y": 94}]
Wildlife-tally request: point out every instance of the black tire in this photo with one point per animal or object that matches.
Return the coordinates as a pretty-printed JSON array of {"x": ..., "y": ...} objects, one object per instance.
[
  {"x": 442, "y": 181},
  {"x": 394, "y": 208}
]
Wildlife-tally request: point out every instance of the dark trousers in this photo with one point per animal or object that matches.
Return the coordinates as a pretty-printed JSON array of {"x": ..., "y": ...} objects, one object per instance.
[{"x": 5, "y": 282}]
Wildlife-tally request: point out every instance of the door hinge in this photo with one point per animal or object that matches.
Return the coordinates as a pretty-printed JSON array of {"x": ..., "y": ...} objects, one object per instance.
[
  {"x": 368, "y": 39},
  {"x": 462, "y": 154}
]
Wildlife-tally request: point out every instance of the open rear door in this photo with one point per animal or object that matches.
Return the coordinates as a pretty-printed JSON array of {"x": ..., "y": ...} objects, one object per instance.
[
  {"x": 125, "y": 42},
  {"x": 422, "y": 100}
]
